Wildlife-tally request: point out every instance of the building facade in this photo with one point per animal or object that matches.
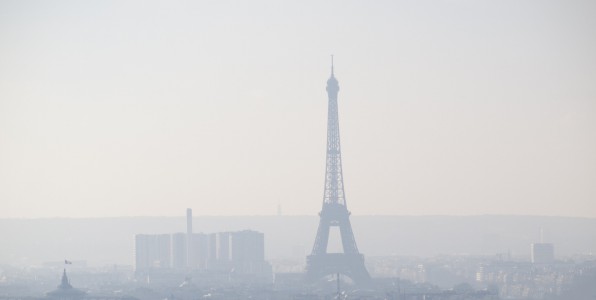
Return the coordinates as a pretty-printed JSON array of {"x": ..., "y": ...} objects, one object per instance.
[
  {"x": 242, "y": 251},
  {"x": 152, "y": 251}
]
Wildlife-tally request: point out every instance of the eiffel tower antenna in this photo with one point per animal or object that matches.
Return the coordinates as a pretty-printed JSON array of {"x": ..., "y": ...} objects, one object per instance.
[{"x": 332, "y": 73}]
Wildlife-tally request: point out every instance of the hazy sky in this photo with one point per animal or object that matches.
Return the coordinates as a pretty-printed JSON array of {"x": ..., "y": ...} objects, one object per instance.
[{"x": 123, "y": 108}]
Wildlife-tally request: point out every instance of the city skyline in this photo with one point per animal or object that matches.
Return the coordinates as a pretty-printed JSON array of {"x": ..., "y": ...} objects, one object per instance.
[{"x": 447, "y": 108}]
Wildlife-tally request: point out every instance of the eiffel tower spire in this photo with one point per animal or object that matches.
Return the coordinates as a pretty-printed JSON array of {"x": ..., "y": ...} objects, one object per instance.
[{"x": 335, "y": 211}]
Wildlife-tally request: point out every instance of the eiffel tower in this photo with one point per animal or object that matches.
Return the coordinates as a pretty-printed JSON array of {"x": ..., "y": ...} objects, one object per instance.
[{"x": 335, "y": 210}]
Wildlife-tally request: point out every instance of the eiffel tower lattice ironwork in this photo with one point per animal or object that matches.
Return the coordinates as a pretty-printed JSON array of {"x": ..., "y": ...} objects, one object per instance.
[{"x": 335, "y": 212}]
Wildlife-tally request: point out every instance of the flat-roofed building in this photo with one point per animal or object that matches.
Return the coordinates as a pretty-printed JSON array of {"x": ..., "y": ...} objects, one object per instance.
[
  {"x": 152, "y": 251},
  {"x": 543, "y": 253}
]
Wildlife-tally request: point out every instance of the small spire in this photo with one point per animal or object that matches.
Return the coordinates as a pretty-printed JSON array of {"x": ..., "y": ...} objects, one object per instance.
[
  {"x": 65, "y": 283},
  {"x": 332, "y": 65}
]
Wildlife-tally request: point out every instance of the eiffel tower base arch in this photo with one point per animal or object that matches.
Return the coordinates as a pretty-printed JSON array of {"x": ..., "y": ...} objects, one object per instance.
[{"x": 352, "y": 265}]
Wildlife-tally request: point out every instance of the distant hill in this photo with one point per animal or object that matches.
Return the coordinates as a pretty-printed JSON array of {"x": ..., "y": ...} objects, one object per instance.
[{"x": 110, "y": 240}]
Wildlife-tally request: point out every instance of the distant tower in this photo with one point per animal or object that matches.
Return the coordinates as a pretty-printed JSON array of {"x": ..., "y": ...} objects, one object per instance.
[
  {"x": 189, "y": 256},
  {"x": 335, "y": 211}
]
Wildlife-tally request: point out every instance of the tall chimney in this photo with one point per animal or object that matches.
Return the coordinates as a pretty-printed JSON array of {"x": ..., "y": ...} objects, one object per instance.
[{"x": 189, "y": 259}]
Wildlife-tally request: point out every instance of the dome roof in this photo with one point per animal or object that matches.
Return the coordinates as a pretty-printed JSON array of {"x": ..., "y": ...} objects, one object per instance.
[{"x": 65, "y": 290}]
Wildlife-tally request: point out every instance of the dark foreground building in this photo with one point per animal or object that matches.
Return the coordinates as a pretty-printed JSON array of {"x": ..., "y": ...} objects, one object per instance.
[{"x": 65, "y": 290}]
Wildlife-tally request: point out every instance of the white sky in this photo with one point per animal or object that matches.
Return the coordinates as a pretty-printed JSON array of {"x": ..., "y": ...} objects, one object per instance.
[{"x": 459, "y": 107}]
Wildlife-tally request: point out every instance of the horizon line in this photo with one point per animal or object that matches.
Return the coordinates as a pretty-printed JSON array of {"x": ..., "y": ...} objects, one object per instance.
[{"x": 294, "y": 215}]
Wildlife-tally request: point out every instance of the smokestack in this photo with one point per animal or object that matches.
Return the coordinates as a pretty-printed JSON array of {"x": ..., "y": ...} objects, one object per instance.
[
  {"x": 189, "y": 262},
  {"x": 189, "y": 221}
]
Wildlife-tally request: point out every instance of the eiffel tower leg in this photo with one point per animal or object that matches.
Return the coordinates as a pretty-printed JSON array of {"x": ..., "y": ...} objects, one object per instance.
[
  {"x": 322, "y": 238},
  {"x": 347, "y": 237}
]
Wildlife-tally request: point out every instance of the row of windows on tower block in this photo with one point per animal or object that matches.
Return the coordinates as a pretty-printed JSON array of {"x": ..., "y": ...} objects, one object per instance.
[{"x": 241, "y": 250}]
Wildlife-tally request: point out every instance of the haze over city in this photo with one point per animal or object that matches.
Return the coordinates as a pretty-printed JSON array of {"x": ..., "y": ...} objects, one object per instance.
[
  {"x": 154, "y": 150},
  {"x": 144, "y": 108}
]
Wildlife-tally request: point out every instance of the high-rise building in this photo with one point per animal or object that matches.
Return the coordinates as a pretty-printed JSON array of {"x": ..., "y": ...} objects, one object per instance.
[
  {"x": 152, "y": 251},
  {"x": 219, "y": 254},
  {"x": 543, "y": 253},
  {"x": 247, "y": 246},
  {"x": 199, "y": 254},
  {"x": 179, "y": 255},
  {"x": 222, "y": 246},
  {"x": 242, "y": 251},
  {"x": 248, "y": 252}
]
